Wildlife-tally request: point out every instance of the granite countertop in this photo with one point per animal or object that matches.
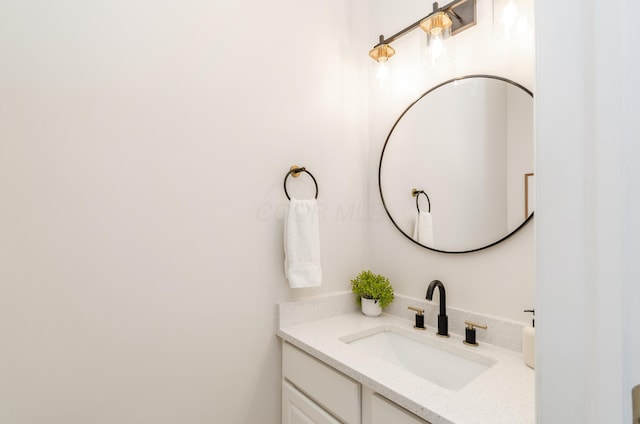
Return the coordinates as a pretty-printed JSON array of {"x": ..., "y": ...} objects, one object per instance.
[{"x": 504, "y": 394}]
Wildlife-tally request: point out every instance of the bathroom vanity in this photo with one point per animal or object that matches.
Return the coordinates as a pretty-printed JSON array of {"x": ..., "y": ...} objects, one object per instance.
[
  {"x": 335, "y": 370},
  {"x": 315, "y": 392},
  {"x": 339, "y": 366}
]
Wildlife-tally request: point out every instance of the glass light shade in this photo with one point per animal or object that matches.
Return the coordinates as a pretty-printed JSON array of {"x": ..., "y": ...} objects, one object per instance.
[
  {"x": 381, "y": 53},
  {"x": 382, "y": 73},
  {"x": 437, "y": 25},
  {"x": 436, "y": 53},
  {"x": 511, "y": 18}
]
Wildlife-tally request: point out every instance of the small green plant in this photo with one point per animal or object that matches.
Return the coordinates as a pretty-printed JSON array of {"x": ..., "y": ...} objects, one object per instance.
[{"x": 373, "y": 286}]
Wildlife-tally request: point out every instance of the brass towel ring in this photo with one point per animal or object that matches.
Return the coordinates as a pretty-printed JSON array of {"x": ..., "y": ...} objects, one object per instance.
[
  {"x": 295, "y": 171},
  {"x": 416, "y": 193}
]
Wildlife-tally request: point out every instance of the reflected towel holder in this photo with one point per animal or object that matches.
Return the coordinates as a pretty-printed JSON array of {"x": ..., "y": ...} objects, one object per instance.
[
  {"x": 526, "y": 194},
  {"x": 416, "y": 193},
  {"x": 295, "y": 171}
]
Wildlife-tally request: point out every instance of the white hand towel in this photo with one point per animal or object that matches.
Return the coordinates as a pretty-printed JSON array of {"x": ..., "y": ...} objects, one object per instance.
[
  {"x": 302, "y": 244},
  {"x": 423, "y": 229}
]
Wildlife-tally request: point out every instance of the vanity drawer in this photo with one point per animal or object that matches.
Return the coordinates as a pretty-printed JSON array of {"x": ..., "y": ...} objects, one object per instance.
[
  {"x": 337, "y": 393},
  {"x": 385, "y": 412}
]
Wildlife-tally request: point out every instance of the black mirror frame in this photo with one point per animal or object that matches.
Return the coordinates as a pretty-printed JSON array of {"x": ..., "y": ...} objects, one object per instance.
[{"x": 525, "y": 222}]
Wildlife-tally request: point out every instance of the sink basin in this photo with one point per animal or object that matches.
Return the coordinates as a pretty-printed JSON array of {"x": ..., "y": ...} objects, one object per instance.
[{"x": 438, "y": 362}]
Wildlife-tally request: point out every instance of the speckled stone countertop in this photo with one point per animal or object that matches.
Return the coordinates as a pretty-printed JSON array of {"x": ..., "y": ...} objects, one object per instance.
[{"x": 504, "y": 394}]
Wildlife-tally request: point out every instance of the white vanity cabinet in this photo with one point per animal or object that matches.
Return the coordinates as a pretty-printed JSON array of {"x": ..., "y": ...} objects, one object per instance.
[
  {"x": 386, "y": 412},
  {"x": 320, "y": 388},
  {"x": 315, "y": 393},
  {"x": 297, "y": 408}
]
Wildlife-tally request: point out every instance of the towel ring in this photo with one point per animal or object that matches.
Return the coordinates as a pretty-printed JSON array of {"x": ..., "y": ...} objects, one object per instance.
[
  {"x": 295, "y": 170},
  {"x": 416, "y": 193}
]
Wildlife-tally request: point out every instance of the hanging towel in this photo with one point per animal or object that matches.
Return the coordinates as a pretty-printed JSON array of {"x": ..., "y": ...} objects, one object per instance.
[
  {"x": 423, "y": 229},
  {"x": 302, "y": 244}
]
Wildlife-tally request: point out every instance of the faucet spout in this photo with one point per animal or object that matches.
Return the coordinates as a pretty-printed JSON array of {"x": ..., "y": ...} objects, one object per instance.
[
  {"x": 443, "y": 296},
  {"x": 443, "y": 321}
]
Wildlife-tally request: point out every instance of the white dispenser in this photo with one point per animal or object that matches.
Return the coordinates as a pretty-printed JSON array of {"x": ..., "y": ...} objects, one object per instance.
[{"x": 529, "y": 342}]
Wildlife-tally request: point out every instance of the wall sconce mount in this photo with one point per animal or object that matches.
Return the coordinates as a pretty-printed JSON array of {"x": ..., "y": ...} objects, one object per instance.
[{"x": 444, "y": 21}]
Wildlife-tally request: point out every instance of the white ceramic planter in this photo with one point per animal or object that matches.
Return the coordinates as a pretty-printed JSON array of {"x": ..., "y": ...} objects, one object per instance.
[{"x": 370, "y": 307}]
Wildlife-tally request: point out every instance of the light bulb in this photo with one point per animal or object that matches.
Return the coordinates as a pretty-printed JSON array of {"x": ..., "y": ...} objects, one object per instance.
[
  {"x": 382, "y": 73},
  {"x": 522, "y": 26},
  {"x": 436, "y": 51},
  {"x": 509, "y": 19},
  {"x": 509, "y": 15},
  {"x": 437, "y": 48}
]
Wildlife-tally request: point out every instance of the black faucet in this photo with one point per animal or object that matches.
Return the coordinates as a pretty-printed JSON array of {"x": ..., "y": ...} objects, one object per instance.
[{"x": 443, "y": 323}]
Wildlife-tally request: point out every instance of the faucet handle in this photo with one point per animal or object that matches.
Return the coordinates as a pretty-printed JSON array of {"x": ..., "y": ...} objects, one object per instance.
[
  {"x": 471, "y": 325},
  {"x": 470, "y": 333},
  {"x": 419, "y": 325},
  {"x": 418, "y": 310}
]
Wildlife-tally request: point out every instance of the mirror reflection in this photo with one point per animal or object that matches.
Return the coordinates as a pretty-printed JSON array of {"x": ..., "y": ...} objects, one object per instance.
[{"x": 456, "y": 171}]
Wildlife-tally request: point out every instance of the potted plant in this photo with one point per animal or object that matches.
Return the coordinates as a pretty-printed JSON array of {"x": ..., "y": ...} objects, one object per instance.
[{"x": 374, "y": 292}]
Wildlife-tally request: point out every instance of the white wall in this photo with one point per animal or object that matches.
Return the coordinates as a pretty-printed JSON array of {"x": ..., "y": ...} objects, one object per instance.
[
  {"x": 143, "y": 147},
  {"x": 142, "y": 151},
  {"x": 588, "y": 341},
  {"x": 497, "y": 281}
]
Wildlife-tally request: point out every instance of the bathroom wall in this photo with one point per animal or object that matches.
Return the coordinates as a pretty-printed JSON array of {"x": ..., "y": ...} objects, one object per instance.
[
  {"x": 143, "y": 146},
  {"x": 498, "y": 281}
]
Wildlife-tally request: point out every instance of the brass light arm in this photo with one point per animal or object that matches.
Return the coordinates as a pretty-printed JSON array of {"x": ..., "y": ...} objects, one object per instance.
[{"x": 464, "y": 12}]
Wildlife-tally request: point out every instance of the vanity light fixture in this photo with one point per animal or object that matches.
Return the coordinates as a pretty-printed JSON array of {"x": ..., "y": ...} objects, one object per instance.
[
  {"x": 437, "y": 25},
  {"x": 443, "y": 22},
  {"x": 382, "y": 52},
  {"x": 511, "y": 18}
]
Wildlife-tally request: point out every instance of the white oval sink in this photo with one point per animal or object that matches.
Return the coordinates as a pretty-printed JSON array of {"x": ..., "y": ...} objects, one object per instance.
[{"x": 440, "y": 363}]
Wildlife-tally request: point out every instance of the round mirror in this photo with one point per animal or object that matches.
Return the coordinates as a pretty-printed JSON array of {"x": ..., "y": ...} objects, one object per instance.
[{"x": 456, "y": 170}]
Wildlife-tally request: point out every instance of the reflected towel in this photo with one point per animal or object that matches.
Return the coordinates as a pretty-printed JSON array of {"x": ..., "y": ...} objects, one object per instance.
[
  {"x": 302, "y": 244},
  {"x": 423, "y": 229}
]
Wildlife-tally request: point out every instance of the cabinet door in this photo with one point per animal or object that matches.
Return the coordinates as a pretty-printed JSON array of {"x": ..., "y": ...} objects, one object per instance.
[
  {"x": 299, "y": 409},
  {"x": 385, "y": 412},
  {"x": 335, "y": 392}
]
